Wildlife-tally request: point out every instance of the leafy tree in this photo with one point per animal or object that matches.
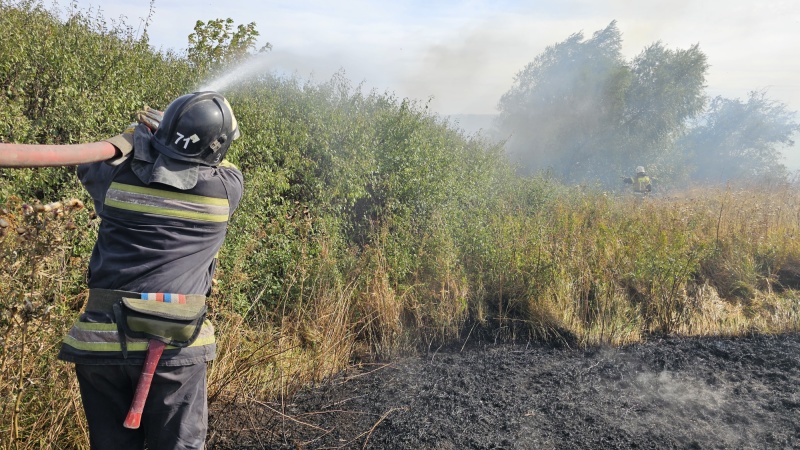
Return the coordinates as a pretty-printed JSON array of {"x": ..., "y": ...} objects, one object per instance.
[
  {"x": 740, "y": 140},
  {"x": 581, "y": 111},
  {"x": 558, "y": 109},
  {"x": 666, "y": 92},
  {"x": 215, "y": 44}
]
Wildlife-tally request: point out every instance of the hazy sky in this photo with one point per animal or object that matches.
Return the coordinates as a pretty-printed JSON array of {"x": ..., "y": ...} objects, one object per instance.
[{"x": 464, "y": 54}]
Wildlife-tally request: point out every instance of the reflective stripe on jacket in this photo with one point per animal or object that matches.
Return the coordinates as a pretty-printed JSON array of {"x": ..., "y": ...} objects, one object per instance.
[{"x": 641, "y": 184}]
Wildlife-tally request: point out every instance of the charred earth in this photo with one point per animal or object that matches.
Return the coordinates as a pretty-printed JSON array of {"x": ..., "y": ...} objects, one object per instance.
[{"x": 666, "y": 393}]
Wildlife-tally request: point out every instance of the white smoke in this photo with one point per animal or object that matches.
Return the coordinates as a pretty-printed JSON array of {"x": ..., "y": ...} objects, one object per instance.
[{"x": 679, "y": 404}]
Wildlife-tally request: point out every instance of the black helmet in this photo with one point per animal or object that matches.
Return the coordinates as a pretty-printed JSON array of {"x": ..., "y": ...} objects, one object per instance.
[{"x": 198, "y": 127}]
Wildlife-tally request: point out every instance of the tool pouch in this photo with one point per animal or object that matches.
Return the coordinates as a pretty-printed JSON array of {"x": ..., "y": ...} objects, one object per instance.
[{"x": 172, "y": 323}]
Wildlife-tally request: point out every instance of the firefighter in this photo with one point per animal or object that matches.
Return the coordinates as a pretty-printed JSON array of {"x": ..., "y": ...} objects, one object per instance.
[
  {"x": 164, "y": 207},
  {"x": 641, "y": 182}
]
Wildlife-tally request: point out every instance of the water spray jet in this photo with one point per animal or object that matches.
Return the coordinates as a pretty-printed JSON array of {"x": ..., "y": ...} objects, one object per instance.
[{"x": 254, "y": 66}]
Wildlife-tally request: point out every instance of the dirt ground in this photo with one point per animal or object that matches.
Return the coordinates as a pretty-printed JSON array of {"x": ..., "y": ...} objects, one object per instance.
[{"x": 667, "y": 393}]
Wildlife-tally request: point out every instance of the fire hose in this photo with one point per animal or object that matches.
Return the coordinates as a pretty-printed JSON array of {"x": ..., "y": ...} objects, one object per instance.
[
  {"x": 42, "y": 155},
  {"x": 45, "y": 155}
]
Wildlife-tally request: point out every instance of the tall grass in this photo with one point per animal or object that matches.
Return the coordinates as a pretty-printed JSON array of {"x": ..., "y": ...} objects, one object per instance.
[{"x": 583, "y": 267}]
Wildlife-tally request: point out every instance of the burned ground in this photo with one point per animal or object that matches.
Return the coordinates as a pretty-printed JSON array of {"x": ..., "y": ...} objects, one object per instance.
[{"x": 666, "y": 393}]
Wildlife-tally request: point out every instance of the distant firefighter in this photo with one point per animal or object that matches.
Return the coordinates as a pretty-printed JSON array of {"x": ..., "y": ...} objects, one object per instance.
[{"x": 641, "y": 182}]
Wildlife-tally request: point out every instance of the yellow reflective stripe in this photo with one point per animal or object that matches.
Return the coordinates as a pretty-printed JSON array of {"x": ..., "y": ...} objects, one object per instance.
[
  {"x": 166, "y": 203},
  {"x": 228, "y": 164},
  {"x": 167, "y": 212},
  {"x": 103, "y": 344},
  {"x": 169, "y": 194},
  {"x": 132, "y": 346},
  {"x": 92, "y": 326},
  {"x": 96, "y": 326}
]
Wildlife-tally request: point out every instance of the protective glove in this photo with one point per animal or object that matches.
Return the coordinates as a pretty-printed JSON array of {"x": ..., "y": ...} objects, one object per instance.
[
  {"x": 124, "y": 144},
  {"x": 150, "y": 117}
]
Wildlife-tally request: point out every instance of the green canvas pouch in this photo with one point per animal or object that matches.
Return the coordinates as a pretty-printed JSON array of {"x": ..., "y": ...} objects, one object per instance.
[{"x": 176, "y": 324}]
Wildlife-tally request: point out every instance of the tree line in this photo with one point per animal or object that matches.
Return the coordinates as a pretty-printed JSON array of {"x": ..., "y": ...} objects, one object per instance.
[{"x": 584, "y": 113}]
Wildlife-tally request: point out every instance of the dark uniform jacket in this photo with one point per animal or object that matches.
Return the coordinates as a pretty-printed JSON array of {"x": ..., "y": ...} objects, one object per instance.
[{"x": 152, "y": 239}]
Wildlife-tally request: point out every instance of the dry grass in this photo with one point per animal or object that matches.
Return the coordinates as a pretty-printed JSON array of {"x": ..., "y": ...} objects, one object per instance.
[
  {"x": 606, "y": 270},
  {"x": 40, "y": 403},
  {"x": 587, "y": 267}
]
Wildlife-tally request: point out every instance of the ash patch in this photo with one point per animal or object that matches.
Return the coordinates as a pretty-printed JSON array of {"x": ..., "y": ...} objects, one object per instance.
[{"x": 668, "y": 393}]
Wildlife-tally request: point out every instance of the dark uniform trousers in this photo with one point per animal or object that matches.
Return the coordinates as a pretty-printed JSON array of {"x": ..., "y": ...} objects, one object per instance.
[{"x": 175, "y": 413}]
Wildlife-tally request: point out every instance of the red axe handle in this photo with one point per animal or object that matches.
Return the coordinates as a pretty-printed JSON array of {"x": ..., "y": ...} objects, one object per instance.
[{"x": 154, "y": 351}]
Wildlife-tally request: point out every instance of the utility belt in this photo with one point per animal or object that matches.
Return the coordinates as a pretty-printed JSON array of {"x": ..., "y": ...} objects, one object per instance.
[{"x": 174, "y": 319}]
